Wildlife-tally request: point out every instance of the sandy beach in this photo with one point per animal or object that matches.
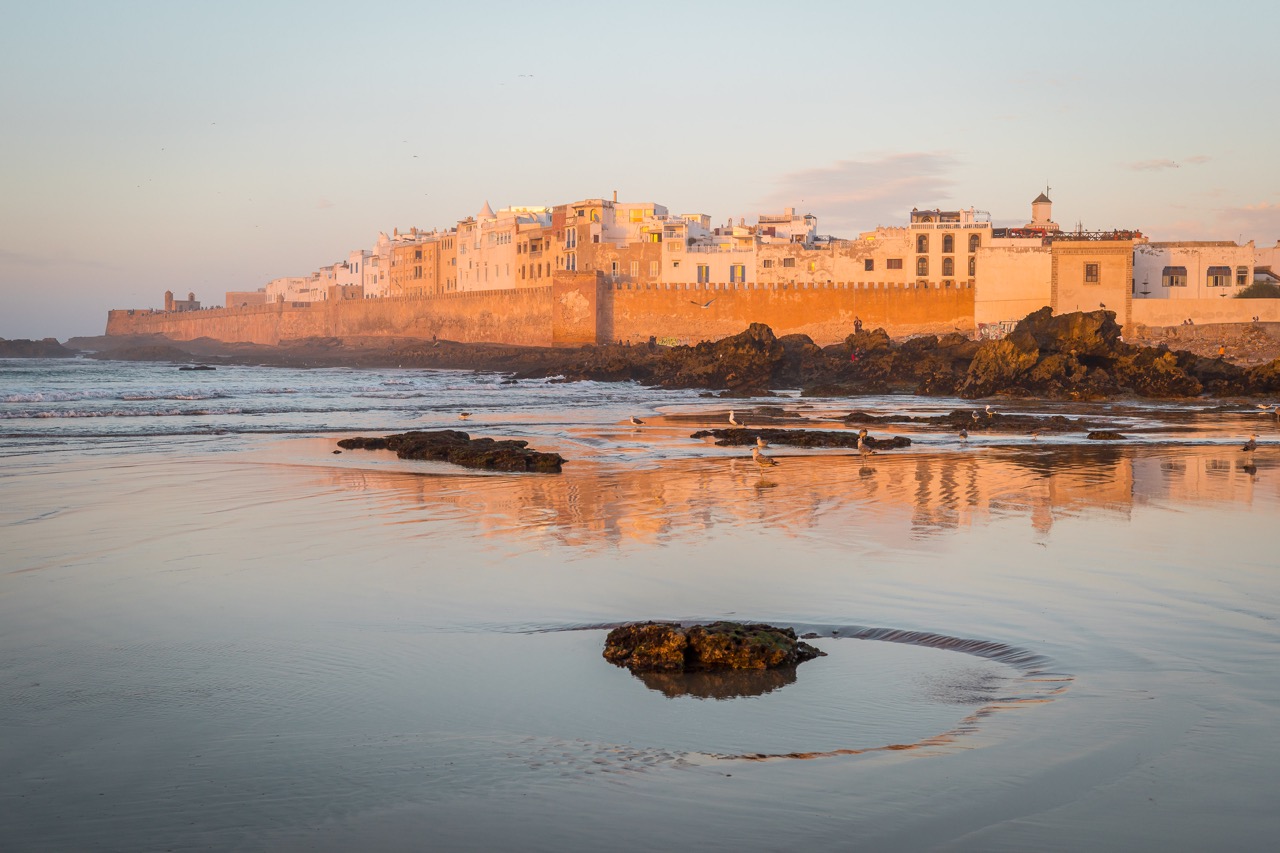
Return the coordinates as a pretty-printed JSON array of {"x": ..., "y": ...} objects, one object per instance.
[{"x": 240, "y": 641}]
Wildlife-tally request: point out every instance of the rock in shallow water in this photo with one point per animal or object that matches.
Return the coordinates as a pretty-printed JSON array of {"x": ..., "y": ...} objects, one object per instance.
[
  {"x": 664, "y": 647},
  {"x": 451, "y": 445}
]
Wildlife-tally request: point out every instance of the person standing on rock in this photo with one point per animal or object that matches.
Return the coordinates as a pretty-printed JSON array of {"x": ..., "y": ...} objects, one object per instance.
[{"x": 857, "y": 325}]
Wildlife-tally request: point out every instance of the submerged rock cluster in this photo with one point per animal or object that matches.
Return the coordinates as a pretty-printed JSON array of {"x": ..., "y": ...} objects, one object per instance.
[
  {"x": 664, "y": 647},
  {"x": 450, "y": 445}
]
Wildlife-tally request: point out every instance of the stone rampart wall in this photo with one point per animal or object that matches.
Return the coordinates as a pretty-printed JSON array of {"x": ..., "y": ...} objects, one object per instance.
[
  {"x": 823, "y": 312},
  {"x": 521, "y": 316}
]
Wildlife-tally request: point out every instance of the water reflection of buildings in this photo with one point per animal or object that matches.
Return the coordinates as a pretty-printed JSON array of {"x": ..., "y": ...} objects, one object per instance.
[{"x": 921, "y": 494}]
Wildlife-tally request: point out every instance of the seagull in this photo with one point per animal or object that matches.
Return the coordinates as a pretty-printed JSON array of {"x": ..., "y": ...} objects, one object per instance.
[
  {"x": 706, "y": 304},
  {"x": 964, "y": 434},
  {"x": 734, "y": 420},
  {"x": 636, "y": 421},
  {"x": 1035, "y": 433},
  {"x": 863, "y": 448},
  {"x": 462, "y": 416},
  {"x": 1102, "y": 305},
  {"x": 974, "y": 415},
  {"x": 762, "y": 460},
  {"x": 991, "y": 413},
  {"x": 1252, "y": 444},
  {"x": 761, "y": 443}
]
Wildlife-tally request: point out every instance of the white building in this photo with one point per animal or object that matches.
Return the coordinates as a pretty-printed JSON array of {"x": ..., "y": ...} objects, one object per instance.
[{"x": 1196, "y": 269}]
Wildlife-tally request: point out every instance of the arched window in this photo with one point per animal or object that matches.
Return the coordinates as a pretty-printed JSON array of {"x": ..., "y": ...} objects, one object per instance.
[
  {"x": 922, "y": 244},
  {"x": 973, "y": 267},
  {"x": 948, "y": 243},
  {"x": 948, "y": 266},
  {"x": 974, "y": 242},
  {"x": 922, "y": 266}
]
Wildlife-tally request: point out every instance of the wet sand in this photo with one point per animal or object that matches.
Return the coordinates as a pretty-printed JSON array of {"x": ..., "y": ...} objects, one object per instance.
[{"x": 275, "y": 648}]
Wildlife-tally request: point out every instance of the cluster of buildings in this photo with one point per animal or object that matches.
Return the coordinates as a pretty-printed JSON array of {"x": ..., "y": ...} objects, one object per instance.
[{"x": 642, "y": 245}]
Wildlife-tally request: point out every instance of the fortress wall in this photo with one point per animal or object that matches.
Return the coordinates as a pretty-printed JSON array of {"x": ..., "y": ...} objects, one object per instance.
[
  {"x": 521, "y": 316},
  {"x": 824, "y": 313},
  {"x": 258, "y": 324},
  {"x": 1171, "y": 312}
]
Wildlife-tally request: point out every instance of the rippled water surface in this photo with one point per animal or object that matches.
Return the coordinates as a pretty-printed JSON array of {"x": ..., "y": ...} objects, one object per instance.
[{"x": 218, "y": 634}]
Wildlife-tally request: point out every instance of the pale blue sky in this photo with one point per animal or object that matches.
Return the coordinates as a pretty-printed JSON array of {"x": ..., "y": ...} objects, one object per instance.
[{"x": 214, "y": 146}]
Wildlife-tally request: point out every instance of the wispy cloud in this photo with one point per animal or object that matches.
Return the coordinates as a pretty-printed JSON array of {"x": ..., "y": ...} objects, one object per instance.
[
  {"x": 1161, "y": 164},
  {"x": 853, "y": 195},
  {"x": 1151, "y": 165},
  {"x": 323, "y": 204}
]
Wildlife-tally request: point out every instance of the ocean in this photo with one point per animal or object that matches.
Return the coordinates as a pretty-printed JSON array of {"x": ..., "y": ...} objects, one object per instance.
[{"x": 216, "y": 633}]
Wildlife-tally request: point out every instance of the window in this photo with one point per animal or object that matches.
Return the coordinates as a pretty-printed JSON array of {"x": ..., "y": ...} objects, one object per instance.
[
  {"x": 922, "y": 244},
  {"x": 767, "y": 264},
  {"x": 704, "y": 273},
  {"x": 973, "y": 266},
  {"x": 1242, "y": 276},
  {"x": 1218, "y": 276},
  {"x": 812, "y": 266},
  {"x": 635, "y": 269},
  {"x": 893, "y": 264},
  {"x": 613, "y": 268},
  {"x": 948, "y": 243},
  {"x": 1174, "y": 277},
  {"x": 922, "y": 266},
  {"x": 417, "y": 254},
  {"x": 571, "y": 261},
  {"x": 948, "y": 266},
  {"x": 1091, "y": 273},
  {"x": 655, "y": 268},
  {"x": 571, "y": 238},
  {"x": 974, "y": 242},
  {"x": 788, "y": 262},
  {"x": 636, "y": 214},
  {"x": 737, "y": 272},
  {"x": 869, "y": 265}
]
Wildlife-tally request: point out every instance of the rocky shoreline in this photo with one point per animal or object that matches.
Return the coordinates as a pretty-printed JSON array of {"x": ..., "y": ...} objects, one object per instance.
[{"x": 1077, "y": 356}]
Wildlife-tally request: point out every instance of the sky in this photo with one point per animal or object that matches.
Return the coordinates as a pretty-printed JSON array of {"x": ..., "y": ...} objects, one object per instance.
[{"x": 207, "y": 147}]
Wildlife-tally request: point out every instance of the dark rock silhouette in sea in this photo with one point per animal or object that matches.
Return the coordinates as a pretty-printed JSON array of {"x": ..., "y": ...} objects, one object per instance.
[
  {"x": 450, "y": 445},
  {"x": 664, "y": 647},
  {"x": 741, "y": 437},
  {"x": 978, "y": 420},
  {"x": 25, "y": 348}
]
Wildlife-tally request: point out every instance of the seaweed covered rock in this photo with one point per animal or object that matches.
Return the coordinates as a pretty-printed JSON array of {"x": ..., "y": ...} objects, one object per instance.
[
  {"x": 449, "y": 445},
  {"x": 746, "y": 436},
  {"x": 664, "y": 647}
]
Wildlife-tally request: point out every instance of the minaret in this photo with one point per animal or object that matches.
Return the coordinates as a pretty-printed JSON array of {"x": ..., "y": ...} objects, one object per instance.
[{"x": 168, "y": 300}]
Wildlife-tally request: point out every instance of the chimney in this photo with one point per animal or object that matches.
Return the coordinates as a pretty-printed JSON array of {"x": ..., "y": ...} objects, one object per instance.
[
  {"x": 615, "y": 196},
  {"x": 790, "y": 212}
]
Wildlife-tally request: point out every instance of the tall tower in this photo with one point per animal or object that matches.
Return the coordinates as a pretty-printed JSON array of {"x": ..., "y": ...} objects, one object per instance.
[{"x": 1042, "y": 213}]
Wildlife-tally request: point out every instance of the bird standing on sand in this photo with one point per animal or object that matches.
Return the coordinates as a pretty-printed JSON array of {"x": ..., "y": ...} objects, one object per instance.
[
  {"x": 733, "y": 420},
  {"x": 991, "y": 413},
  {"x": 1035, "y": 434},
  {"x": 964, "y": 434},
  {"x": 1252, "y": 444},
  {"x": 636, "y": 421},
  {"x": 864, "y": 449},
  {"x": 462, "y": 416},
  {"x": 762, "y": 460},
  {"x": 761, "y": 442}
]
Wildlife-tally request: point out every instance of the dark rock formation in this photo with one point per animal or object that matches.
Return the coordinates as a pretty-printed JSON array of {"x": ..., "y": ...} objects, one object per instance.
[
  {"x": 741, "y": 437},
  {"x": 1104, "y": 435},
  {"x": 450, "y": 445},
  {"x": 978, "y": 420},
  {"x": 663, "y": 647},
  {"x": 24, "y": 348}
]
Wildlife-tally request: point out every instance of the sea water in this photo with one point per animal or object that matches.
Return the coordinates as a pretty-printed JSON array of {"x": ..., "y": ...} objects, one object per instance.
[{"x": 219, "y": 634}]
